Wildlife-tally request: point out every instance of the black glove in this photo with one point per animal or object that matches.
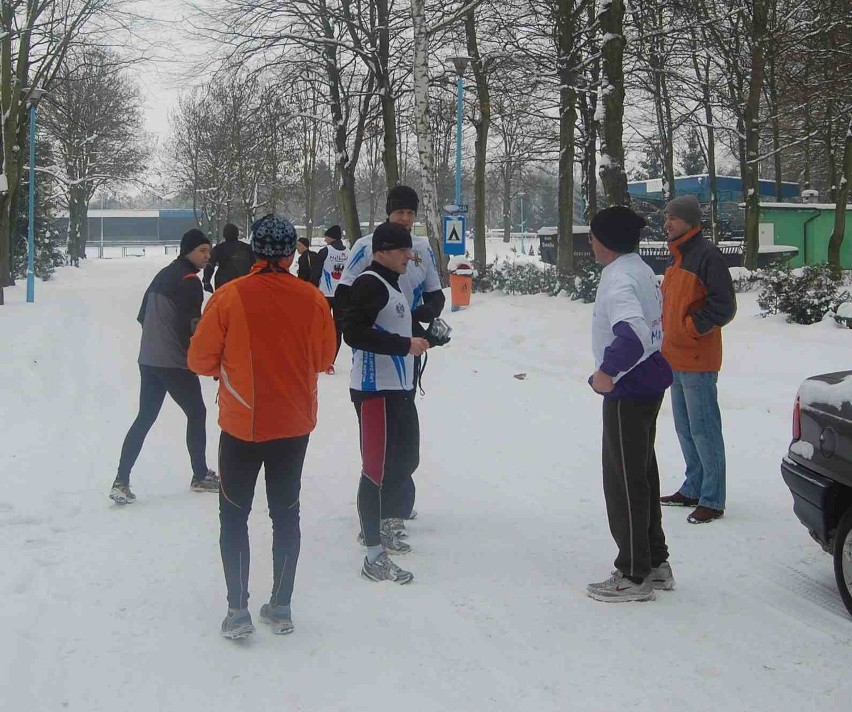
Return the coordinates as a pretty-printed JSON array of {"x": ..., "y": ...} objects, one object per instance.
[
  {"x": 438, "y": 333},
  {"x": 208, "y": 287},
  {"x": 424, "y": 314}
]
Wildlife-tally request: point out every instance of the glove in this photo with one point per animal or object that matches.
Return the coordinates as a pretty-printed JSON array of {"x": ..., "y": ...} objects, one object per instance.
[
  {"x": 208, "y": 287},
  {"x": 424, "y": 313},
  {"x": 438, "y": 333}
]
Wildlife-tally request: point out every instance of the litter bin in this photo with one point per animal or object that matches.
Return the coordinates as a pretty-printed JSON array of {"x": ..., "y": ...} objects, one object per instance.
[{"x": 461, "y": 283}]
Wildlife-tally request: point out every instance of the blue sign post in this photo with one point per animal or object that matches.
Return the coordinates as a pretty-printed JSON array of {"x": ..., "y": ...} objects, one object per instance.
[{"x": 455, "y": 235}]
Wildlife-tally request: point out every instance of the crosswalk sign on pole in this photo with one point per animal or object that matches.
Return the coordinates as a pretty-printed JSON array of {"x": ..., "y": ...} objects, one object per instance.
[{"x": 455, "y": 234}]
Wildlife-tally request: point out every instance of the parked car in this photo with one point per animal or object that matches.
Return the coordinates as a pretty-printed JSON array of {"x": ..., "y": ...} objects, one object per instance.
[{"x": 818, "y": 469}]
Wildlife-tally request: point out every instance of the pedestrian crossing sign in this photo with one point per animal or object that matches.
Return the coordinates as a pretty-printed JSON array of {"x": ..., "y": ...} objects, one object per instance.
[{"x": 454, "y": 234}]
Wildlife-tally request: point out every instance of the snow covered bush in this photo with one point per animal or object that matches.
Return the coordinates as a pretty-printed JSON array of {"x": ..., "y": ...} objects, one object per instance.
[
  {"x": 773, "y": 283},
  {"x": 744, "y": 280},
  {"x": 805, "y": 295},
  {"x": 586, "y": 282},
  {"x": 519, "y": 277}
]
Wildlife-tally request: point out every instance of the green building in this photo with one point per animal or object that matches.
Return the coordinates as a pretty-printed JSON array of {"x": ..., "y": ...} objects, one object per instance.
[{"x": 807, "y": 226}]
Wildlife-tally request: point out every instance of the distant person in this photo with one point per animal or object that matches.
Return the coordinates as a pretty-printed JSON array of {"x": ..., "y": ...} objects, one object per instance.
[
  {"x": 327, "y": 270},
  {"x": 306, "y": 259},
  {"x": 230, "y": 259},
  {"x": 170, "y": 307},
  {"x": 632, "y": 376},
  {"x": 698, "y": 300},
  {"x": 274, "y": 333}
]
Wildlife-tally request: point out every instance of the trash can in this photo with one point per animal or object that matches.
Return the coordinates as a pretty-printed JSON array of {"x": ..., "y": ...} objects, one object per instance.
[{"x": 461, "y": 284}]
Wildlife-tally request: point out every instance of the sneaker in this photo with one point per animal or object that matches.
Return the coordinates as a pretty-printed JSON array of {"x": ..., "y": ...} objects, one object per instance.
[
  {"x": 277, "y": 618},
  {"x": 391, "y": 542},
  {"x": 121, "y": 494},
  {"x": 678, "y": 500},
  {"x": 208, "y": 483},
  {"x": 395, "y": 526},
  {"x": 620, "y": 589},
  {"x": 703, "y": 515},
  {"x": 237, "y": 624},
  {"x": 661, "y": 577},
  {"x": 385, "y": 570}
]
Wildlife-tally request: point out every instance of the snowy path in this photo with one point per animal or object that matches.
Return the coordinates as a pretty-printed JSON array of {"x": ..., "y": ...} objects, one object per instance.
[{"x": 118, "y": 609}]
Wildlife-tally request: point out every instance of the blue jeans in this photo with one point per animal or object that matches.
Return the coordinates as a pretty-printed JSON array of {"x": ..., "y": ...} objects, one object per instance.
[{"x": 698, "y": 423}]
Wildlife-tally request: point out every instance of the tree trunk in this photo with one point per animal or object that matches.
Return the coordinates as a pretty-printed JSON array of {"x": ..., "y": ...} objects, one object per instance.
[
  {"x": 711, "y": 157},
  {"x": 836, "y": 241},
  {"x": 75, "y": 212},
  {"x": 482, "y": 126},
  {"x": 751, "y": 124},
  {"x": 347, "y": 202},
  {"x": 776, "y": 129},
  {"x": 613, "y": 177},
  {"x": 507, "y": 203},
  {"x": 391, "y": 148},
  {"x": 425, "y": 147},
  {"x": 565, "y": 24},
  {"x": 589, "y": 102}
]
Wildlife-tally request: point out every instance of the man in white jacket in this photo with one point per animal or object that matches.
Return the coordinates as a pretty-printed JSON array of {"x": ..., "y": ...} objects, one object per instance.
[{"x": 632, "y": 376}]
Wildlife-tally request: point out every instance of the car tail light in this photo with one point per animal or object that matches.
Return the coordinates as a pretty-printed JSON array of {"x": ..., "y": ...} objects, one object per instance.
[{"x": 797, "y": 420}]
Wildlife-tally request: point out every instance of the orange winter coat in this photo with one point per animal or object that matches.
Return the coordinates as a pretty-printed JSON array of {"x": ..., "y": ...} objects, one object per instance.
[
  {"x": 265, "y": 336},
  {"x": 698, "y": 300}
]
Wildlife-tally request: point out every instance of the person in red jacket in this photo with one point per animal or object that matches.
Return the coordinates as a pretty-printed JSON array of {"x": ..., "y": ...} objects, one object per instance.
[{"x": 265, "y": 336}]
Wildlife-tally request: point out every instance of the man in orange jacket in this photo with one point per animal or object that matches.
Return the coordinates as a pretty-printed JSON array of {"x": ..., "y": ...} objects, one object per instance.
[
  {"x": 265, "y": 336},
  {"x": 698, "y": 300}
]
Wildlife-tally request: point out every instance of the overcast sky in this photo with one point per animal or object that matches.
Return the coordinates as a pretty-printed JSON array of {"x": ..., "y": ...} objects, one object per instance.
[{"x": 168, "y": 68}]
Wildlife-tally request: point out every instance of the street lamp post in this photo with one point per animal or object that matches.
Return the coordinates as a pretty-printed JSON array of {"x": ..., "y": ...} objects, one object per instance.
[
  {"x": 460, "y": 63},
  {"x": 33, "y": 97}
]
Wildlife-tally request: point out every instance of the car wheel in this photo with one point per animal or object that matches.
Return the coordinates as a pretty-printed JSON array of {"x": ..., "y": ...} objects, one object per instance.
[{"x": 843, "y": 558}]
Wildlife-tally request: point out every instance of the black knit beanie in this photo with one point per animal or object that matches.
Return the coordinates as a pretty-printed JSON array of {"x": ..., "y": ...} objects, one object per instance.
[
  {"x": 618, "y": 228},
  {"x": 231, "y": 232},
  {"x": 334, "y": 232},
  {"x": 390, "y": 236},
  {"x": 401, "y": 197},
  {"x": 192, "y": 239}
]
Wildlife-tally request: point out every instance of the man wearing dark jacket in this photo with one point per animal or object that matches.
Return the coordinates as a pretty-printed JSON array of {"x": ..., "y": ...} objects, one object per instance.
[
  {"x": 420, "y": 283},
  {"x": 232, "y": 258},
  {"x": 698, "y": 300},
  {"x": 307, "y": 258},
  {"x": 377, "y": 325},
  {"x": 170, "y": 308}
]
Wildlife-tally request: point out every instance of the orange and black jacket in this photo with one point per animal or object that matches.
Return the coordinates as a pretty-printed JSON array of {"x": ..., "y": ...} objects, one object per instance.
[
  {"x": 265, "y": 336},
  {"x": 698, "y": 300}
]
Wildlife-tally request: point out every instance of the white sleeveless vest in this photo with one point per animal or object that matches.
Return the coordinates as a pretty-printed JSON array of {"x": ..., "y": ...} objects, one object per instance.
[
  {"x": 379, "y": 372},
  {"x": 332, "y": 269}
]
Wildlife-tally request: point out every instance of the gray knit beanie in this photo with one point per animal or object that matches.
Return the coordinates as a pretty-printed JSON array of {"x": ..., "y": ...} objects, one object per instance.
[{"x": 685, "y": 207}]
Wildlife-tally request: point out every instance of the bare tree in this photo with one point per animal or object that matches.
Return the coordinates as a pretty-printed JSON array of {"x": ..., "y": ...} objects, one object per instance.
[
  {"x": 34, "y": 38},
  {"x": 94, "y": 118}
]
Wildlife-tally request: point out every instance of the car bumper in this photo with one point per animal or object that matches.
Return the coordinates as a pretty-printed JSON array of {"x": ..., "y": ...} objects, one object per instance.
[{"x": 812, "y": 499}]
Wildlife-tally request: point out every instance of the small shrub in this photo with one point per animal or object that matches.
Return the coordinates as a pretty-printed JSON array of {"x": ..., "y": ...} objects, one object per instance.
[
  {"x": 809, "y": 297},
  {"x": 586, "y": 282}
]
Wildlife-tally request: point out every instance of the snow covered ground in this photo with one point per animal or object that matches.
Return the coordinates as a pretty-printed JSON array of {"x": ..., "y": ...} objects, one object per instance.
[{"x": 108, "y": 608}]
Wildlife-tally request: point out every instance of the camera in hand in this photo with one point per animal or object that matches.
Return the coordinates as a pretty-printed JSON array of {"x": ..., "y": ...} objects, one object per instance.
[{"x": 438, "y": 333}]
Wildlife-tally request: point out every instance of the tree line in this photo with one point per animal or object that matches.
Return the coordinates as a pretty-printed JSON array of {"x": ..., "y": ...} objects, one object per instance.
[{"x": 316, "y": 107}]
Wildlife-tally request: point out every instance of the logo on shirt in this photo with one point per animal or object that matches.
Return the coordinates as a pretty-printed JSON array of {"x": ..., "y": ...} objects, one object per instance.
[
  {"x": 417, "y": 258},
  {"x": 400, "y": 310}
]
